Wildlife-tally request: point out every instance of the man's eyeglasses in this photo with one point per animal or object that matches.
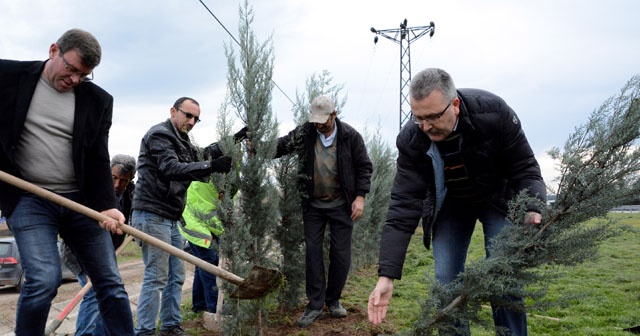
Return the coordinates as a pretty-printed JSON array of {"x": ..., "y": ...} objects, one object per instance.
[
  {"x": 432, "y": 119},
  {"x": 74, "y": 71},
  {"x": 189, "y": 115}
]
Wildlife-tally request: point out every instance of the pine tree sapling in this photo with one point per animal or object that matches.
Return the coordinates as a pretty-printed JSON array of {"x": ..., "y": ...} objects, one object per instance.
[
  {"x": 366, "y": 233},
  {"x": 249, "y": 240}
]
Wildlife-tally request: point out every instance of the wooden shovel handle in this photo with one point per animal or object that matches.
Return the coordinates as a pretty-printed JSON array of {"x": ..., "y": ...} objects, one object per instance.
[{"x": 69, "y": 204}]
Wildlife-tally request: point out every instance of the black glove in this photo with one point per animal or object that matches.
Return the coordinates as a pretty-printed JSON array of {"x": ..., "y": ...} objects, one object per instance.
[
  {"x": 221, "y": 164},
  {"x": 214, "y": 150},
  {"x": 241, "y": 134}
]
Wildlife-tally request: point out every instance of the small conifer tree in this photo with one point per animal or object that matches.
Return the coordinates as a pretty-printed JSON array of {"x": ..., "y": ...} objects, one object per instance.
[
  {"x": 366, "y": 232},
  {"x": 290, "y": 232},
  {"x": 248, "y": 239}
]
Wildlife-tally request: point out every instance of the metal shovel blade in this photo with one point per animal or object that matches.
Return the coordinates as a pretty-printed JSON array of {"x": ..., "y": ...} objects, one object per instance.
[{"x": 258, "y": 283}]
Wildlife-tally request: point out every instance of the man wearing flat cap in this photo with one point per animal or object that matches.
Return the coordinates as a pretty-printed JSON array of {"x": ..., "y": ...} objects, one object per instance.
[{"x": 336, "y": 177}]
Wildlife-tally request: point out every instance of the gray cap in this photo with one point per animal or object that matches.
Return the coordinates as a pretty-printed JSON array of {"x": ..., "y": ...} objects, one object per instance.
[{"x": 321, "y": 109}]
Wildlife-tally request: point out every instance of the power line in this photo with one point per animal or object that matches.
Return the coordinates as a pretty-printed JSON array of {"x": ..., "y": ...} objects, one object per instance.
[{"x": 238, "y": 43}]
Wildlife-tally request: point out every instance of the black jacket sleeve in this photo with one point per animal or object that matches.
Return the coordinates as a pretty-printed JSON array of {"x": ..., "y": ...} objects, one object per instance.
[{"x": 411, "y": 187}]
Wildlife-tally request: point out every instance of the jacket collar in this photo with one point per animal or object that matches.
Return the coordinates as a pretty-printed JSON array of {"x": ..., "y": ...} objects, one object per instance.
[
  {"x": 465, "y": 122},
  {"x": 28, "y": 84}
]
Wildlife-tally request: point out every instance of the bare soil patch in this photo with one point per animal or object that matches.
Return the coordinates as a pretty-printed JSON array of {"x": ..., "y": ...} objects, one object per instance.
[{"x": 355, "y": 324}]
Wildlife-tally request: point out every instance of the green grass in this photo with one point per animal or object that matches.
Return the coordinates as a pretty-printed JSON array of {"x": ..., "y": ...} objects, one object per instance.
[
  {"x": 131, "y": 251},
  {"x": 598, "y": 297}
]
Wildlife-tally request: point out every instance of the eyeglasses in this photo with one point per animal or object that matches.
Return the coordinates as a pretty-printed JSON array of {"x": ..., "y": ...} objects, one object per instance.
[
  {"x": 75, "y": 71},
  {"x": 432, "y": 119},
  {"x": 189, "y": 115}
]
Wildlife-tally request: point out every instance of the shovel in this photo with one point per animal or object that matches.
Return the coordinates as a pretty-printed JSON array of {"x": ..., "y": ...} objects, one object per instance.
[{"x": 259, "y": 282}]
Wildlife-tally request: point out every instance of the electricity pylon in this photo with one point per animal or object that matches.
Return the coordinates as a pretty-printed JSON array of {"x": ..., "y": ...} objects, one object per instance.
[{"x": 408, "y": 34}]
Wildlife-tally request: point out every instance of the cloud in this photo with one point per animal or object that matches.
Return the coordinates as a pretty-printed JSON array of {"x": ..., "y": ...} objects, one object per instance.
[{"x": 553, "y": 62}]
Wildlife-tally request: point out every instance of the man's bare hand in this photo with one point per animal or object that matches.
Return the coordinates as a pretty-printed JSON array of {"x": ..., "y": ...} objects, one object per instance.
[
  {"x": 379, "y": 300},
  {"x": 357, "y": 207},
  {"x": 113, "y": 225},
  {"x": 532, "y": 217}
]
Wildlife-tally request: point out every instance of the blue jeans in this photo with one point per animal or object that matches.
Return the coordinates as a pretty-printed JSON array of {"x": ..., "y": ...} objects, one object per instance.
[
  {"x": 205, "y": 290},
  {"x": 320, "y": 291},
  {"x": 163, "y": 273},
  {"x": 88, "y": 321},
  {"x": 452, "y": 233},
  {"x": 36, "y": 223}
]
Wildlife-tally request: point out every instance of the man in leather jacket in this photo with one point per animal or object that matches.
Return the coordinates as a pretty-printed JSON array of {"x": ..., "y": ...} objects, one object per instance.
[
  {"x": 167, "y": 164},
  {"x": 461, "y": 159}
]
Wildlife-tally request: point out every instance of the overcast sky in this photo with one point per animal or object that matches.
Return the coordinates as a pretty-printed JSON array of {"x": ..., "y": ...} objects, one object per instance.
[{"x": 553, "y": 61}]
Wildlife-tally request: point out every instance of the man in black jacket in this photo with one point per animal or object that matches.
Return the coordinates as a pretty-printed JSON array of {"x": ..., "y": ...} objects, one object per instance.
[
  {"x": 54, "y": 133},
  {"x": 167, "y": 164},
  {"x": 337, "y": 173},
  {"x": 460, "y": 160}
]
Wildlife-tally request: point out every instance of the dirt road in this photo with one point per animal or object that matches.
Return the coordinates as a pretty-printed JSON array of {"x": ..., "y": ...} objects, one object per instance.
[{"x": 131, "y": 272}]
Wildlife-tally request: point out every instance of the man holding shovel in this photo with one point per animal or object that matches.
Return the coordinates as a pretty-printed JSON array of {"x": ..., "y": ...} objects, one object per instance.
[
  {"x": 54, "y": 134},
  {"x": 167, "y": 164}
]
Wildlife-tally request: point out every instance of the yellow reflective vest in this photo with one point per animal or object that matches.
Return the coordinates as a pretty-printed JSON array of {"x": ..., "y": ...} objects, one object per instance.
[{"x": 199, "y": 216}]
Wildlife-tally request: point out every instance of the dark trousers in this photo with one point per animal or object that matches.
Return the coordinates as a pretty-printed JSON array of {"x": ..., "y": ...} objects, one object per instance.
[
  {"x": 205, "y": 290},
  {"x": 36, "y": 223},
  {"x": 340, "y": 230},
  {"x": 451, "y": 237}
]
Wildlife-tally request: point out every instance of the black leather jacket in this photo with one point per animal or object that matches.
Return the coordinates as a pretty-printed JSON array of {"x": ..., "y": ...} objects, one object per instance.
[
  {"x": 496, "y": 154},
  {"x": 167, "y": 164},
  {"x": 354, "y": 165}
]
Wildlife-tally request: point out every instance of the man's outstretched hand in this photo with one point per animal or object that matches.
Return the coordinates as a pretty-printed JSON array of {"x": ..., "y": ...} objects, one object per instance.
[{"x": 379, "y": 300}]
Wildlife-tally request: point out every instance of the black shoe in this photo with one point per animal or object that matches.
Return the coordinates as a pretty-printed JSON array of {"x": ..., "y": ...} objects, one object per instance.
[
  {"x": 337, "y": 310},
  {"x": 309, "y": 316},
  {"x": 173, "y": 331},
  {"x": 147, "y": 333}
]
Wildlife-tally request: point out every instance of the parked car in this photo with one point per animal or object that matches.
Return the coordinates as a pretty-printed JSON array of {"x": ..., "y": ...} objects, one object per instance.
[{"x": 11, "y": 273}]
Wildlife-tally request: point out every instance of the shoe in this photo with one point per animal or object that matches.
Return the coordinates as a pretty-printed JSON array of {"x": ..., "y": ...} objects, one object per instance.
[
  {"x": 146, "y": 333},
  {"x": 173, "y": 331},
  {"x": 309, "y": 316},
  {"x": 337, "y": 310}
]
